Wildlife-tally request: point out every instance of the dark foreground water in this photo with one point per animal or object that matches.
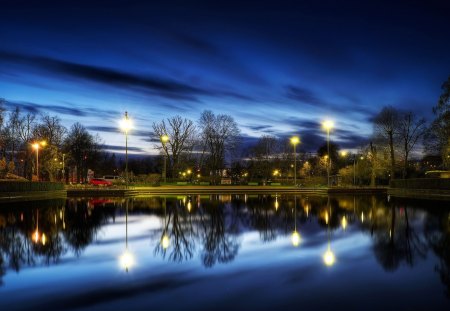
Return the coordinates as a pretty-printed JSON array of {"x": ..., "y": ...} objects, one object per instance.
[{"x": 225, "y": 252}]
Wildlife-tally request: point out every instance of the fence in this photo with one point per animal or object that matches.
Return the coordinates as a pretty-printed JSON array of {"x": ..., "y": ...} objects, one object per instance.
[{"x": 421, "y": 183}]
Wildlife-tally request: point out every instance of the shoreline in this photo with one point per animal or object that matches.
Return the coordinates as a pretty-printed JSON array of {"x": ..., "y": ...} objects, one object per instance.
[{"x": 431, "y": 194}]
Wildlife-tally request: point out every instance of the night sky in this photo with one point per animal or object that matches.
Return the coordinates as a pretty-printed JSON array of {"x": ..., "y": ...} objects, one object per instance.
[{"x": 278, "y": 68}]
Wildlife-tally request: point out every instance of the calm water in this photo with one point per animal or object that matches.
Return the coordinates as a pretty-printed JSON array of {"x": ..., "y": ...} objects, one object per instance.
[{"x": 255, "y": 252}]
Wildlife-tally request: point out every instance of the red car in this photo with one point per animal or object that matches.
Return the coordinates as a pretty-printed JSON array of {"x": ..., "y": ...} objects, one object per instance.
[{"x": 100, "y": 182}]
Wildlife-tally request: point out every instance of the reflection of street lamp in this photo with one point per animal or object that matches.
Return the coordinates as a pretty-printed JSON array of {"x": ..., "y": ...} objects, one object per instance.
[
  {"x": 328, "y": 125},
  {"x": 126, "y": 260},
  {"x": 165, "y": 241},
  {"x": 125, "y": 124},
  {"x": 36, "y": 147},
  {"x": 295, "y": 140},
  {"x": 328, "y": 257},
  {"x": 164, "y": 140},
  {"x": 295, "y": 235}
]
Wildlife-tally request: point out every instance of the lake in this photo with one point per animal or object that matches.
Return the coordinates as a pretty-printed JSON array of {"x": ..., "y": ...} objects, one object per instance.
[{"x": 235, "y": 252}]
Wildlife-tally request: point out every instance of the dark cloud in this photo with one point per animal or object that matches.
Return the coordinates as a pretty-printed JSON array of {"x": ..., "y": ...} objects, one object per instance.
[
  {"x": 122, "y": 148},
  {"x": 303, "y": 95},
  {"x": 111, "y": 129},
  {"x": 155, "y": 85},
  {"x": 255, "y": 127},
  {"x": 38, "y": 108}
]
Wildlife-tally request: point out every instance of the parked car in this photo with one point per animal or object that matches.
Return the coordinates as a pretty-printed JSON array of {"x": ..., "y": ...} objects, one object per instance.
[
  {"x": 100, "y": 182},
  {"x": 114, "y": 179}
]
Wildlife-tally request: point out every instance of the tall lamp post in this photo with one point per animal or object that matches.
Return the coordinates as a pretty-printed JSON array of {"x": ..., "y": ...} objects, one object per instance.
[
  {"x": 328, "y": 125},
  {"x": 164, "y": 140},
  {"x": 126, "y": 125},
  {"x": 295, "y": 140},
  {"x": 37, "y": 146},
  {"x": 63, "y": 171}
]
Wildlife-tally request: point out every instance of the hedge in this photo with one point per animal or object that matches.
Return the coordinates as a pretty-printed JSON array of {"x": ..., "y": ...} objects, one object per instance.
[
  {"x": 24, "y": 186},
  {"x": 421, "y": 183}
]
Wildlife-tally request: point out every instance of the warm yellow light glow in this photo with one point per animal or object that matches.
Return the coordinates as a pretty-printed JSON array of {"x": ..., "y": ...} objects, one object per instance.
[
  {"x": 327, "y": 124},
  {"x": 362, "y": 216},
  {"x": 326, "y": 218},
  {"x": 43, "y": 239},
  {"x": 275, "y": 172},
  {"x": 126, "y": 260},
  {"x": 295, "y": 238},
  {"x": 165, "y": 241},
  {"x": 295, "y": 140},
  {"x": 184, "y": 174},
  {"x": 35, "y": 146},
  {"x": 344, "y": 153},
  {"x": 36, "y": 236},
  {"x": 188, "y": 171},
  {"x": 189, "y": 206},
  {"x": 344, "y": 222},
  {"x": 198, "y": 175},
  {"x": 328, "y": 258},
  {"x": 164, "y": 138},
  {"x": 125, "y": 124},
  {"x": 43, "y": 143}
]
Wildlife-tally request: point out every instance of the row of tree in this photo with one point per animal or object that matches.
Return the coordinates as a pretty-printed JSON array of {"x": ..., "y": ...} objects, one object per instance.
[
  {"x": 209, "y": 146},
  {"x": 397, "y": 135},
  {"x": 68, "y": 153}
]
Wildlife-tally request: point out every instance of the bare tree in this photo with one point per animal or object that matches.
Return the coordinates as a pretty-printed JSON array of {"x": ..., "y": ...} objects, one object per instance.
[
  {"x": 411, "y": 129},
  {"x": 82, "y": 148},
  {"x": 52, "y": 131},
  {"x": 219, "y": 136},
  {"x": 386, "y": 128},
  {"x": 26, "y": 126},
  {"x": 264, "y": 153},
  {"x": 438, "y": 135},
  {"x": 180, "y": 133}
]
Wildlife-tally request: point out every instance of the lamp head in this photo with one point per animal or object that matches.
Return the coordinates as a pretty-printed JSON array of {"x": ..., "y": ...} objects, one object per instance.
[
  {"x": 328, "y": 125},
  {"x": 295, "y": 140},
  {"x": 125, "y": 123}
]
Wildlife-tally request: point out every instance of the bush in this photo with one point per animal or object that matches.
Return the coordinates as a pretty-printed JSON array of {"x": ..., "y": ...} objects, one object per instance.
[
  {"x": 421, "y": 183},
  {"x": 24, "y": 186}
]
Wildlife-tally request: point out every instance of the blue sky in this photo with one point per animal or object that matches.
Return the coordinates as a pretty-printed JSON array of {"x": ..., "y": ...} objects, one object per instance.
[{"x": 278, "y": 67}]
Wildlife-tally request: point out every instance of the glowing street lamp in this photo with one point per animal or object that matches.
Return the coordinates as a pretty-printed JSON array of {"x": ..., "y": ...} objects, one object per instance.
[
  {"x": 295, "y": 140},
  {"x": 164, "y": 140},
  {"x": 125, "y": 124},
  {"x": 36, "y": 146},
  {"x": 328, "y": 125}
]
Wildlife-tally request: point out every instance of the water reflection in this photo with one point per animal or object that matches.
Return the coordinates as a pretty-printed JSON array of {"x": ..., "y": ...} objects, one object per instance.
[{"x": 211, "y": 228}]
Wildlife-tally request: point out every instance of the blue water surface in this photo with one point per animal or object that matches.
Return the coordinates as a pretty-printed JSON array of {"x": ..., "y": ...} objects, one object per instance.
[{"x": 222, "y": 252}]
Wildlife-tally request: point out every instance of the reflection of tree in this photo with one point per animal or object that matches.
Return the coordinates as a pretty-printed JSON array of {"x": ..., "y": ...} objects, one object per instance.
[
  {"x": 178, "y": 226},
  {"x": 437, "y": 233},
  {"x": 262, "y": 218},
  {"x": 396, "y": 240},
  {"x": 219, "y": 245},
  {"x": 82, "y": 223}
]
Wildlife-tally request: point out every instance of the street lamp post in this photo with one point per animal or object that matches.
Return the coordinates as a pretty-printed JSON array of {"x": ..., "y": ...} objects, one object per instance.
[
  {"x": 328, "y": 125},
  {"x": 63, "y": 171},
  {"x": 295, "y": 140},
  {"x": 164, "y": 140},
  {"x": 126, "y": 125},
  {"x": 36, "y": 146}
]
